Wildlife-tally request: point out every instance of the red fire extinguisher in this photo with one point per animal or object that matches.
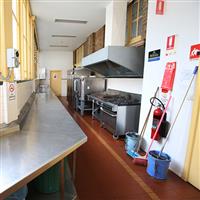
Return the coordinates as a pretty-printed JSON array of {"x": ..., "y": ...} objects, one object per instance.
[{"x": 157, "y": 114}]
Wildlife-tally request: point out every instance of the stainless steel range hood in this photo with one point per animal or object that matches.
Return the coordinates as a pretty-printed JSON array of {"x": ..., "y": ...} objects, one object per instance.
[{"x": 116, "y": 61}]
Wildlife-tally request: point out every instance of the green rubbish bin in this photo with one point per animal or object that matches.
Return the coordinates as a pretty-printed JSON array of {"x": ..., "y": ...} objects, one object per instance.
[{"x": 49, "y": 181}]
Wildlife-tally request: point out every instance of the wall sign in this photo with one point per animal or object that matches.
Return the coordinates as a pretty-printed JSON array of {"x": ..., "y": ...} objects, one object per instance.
[
  {"x": 195, "y": 51},
  {"x": 11, "y": 91},
  {"x": 160, "y": 7},
  {"x": 171, "y": 45},
  {"x": 168, "y": 78},
  {"x": 55, "y": 76},
  {"x": 154, "y": 55}
]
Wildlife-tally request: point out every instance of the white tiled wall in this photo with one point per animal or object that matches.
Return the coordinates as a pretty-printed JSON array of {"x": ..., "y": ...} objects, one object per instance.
[
  {"x": 56, "y": 60},
  {"x": 10, "y": 109},
  {"x": 133, "y": 85},
  {"x": 24, "y": 90}
]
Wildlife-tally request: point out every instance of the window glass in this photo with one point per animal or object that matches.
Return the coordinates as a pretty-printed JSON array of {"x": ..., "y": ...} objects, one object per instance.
[
  {"x": 14, "y": 7},
  {"x": 141, "y": 8},
  {"x": 14, "y": 29},
  {"x": 135, "y": 8},
  {"x": 134, "y": 30},
  {"x": 140, "y": 26}
]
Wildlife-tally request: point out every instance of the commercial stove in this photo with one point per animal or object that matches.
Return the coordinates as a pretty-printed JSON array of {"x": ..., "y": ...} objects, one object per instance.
[{"x": 117, "y": 111}]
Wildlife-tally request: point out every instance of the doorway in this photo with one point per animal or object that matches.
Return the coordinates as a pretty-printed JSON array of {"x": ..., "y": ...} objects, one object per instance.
[{"x": 55, "y": 81}]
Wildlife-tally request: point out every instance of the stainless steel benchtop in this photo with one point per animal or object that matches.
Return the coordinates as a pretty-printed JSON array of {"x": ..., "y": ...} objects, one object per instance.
[{"x": 49, "y": 135}]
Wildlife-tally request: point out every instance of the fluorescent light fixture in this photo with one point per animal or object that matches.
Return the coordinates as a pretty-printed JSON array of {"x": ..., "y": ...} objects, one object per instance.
[
  {"x": 65, "y": 36},
  {"x": 71, "y": 21},
  {"x": 58, "y": 45}
]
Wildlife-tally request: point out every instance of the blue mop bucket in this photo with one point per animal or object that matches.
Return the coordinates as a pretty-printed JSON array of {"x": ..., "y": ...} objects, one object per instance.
[
  {"x": 158, "y": 167},
  {"x": 131, "y": 143}
]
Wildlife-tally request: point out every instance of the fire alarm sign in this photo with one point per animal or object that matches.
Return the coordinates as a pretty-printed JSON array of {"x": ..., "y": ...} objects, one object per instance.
[
  {"x": 160, "y": 7},
  {"x": 171, "y": 45},
  {"x": 195, "y": 51}
]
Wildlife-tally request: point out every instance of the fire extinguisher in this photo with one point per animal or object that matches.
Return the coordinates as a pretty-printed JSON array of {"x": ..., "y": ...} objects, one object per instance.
[{"x": 157, "y": 114}]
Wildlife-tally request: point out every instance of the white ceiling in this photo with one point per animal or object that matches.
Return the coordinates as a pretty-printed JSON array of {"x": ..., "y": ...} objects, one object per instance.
[{"x": 47, "y": 11}]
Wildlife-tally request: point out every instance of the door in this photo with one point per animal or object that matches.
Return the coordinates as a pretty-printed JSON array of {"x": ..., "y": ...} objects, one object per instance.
[
  {"x": 192, "y": 162},
  {"x": 55, "y": 81}
]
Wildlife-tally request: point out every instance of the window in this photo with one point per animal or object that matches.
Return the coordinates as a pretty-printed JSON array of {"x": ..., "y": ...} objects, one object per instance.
[
  {"x": 5, "y": 32},
  {"x": 17, "y": 30},
  {"x": 27, "y": 41},
  {"x": 136, "y": 22}
]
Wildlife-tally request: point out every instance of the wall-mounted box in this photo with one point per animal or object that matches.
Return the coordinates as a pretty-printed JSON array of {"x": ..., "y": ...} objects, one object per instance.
[{"x": 42, "y": 73}]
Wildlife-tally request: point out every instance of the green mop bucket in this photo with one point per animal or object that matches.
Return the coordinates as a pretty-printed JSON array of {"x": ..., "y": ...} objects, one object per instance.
[
  {"x": 158, "y": 166},
  {"x": 49, "y": 181}
]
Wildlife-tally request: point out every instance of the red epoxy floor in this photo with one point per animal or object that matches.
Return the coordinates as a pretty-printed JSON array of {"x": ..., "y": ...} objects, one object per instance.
[{"x": 101, "y": 176}]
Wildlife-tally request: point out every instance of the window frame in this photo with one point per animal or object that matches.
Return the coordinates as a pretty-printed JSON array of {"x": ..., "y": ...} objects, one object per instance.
[{"x": 139, "y": 38}]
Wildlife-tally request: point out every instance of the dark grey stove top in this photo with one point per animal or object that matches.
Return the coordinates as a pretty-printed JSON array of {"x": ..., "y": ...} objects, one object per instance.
[{"x": 118, "y": 98}]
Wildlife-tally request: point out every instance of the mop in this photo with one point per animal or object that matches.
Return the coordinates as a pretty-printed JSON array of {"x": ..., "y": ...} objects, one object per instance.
[
  {"x": 142, "y": 160},
  {"x": 170, "y": 130},
  {"x": 135, "y": 153}
]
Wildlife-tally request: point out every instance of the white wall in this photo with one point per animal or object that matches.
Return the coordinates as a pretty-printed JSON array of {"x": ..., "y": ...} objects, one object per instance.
[
  {"x": 125, "y": 84},
  {"x": 181, "y": 18},
  {"x": 10, "y": 108},
  {"x": 115, "y": 30},
  {"x": 56, "y": 60},
  {"x": 24, "y": 91}
]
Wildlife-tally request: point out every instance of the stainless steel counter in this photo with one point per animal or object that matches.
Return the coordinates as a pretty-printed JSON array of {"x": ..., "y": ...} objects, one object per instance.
[{"x": 49, "y": 135}]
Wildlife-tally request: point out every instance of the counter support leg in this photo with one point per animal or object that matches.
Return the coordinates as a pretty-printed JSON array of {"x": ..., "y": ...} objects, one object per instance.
[
  {"x": 62, "y": 180},
  {"x": 74, "y": 166}
]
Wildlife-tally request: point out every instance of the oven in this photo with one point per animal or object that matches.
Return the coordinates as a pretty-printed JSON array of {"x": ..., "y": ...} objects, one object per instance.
[{"x": 118, "y": 119}]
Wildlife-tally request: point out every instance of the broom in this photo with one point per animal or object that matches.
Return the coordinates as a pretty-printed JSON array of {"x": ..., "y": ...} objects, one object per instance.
[
  {"x": 142, "y": 160},
  {"x": 170, "y": 130}
]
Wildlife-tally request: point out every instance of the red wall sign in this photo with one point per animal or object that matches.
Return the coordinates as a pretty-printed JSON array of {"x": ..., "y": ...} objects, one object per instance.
[
  {"x": 168, "y": 78},
  {"x": 171, "y": 45},
  {"x": 11, "y": 91},
  {"x": 12, "y": 87},
  {"x": 171, "y": 42},
  {"x": 160, "y": 7},
  {"x": 194, "y": 51}
]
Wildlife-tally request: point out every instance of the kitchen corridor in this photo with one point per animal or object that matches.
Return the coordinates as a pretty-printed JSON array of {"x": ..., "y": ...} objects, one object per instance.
[{"x": 105, "y": 172}]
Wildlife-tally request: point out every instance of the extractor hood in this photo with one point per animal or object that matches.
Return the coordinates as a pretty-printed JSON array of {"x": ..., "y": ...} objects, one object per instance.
[{"x": 116, "y": 61}]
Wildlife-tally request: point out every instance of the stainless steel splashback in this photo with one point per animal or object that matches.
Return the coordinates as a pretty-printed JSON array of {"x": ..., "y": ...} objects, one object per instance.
[{"x": 116, "y": 61}]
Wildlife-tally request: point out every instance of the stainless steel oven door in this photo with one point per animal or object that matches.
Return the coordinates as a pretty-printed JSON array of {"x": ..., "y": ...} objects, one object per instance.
[{"x": 108, "y": 118}]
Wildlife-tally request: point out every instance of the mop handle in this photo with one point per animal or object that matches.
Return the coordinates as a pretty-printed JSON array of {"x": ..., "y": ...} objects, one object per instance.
[
  {"x": 145, "y": 123},
  {"x": 194, "y": 73},
  {"x": 161, "y": 119}
]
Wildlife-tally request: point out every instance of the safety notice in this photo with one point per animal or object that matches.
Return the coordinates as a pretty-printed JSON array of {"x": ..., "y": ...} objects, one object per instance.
[
  {"x": 11, "y": 91},
  {"x": 171, "y": 45},
  {"x": 195, "y": 51}
]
